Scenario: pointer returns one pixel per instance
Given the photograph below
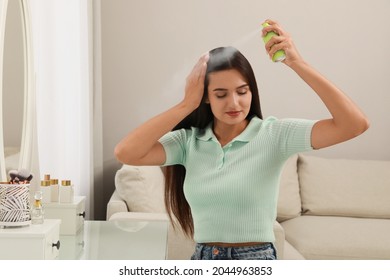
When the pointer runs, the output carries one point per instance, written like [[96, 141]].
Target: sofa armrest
[[115, 204], [180, 247], [139, 216], [279, 240], [290, 253]]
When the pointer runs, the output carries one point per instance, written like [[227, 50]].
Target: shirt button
[[215, 251]]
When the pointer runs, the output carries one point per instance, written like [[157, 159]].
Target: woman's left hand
[[282, 41], [347, 121]]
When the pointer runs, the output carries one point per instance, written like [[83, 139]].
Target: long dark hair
[[223, 58]]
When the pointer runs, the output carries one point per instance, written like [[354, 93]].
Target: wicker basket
[[14, 204]]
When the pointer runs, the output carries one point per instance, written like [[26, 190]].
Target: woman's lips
[[233, 113]]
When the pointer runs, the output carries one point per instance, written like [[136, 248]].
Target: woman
[[223, 160]]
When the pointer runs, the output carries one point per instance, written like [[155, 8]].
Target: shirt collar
[[207, 133], [247, 135]]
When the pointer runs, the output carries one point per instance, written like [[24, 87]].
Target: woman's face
[[229, 97]]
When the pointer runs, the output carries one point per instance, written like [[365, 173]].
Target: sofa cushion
[[339, 238], [141, 187], [289, 202], [342, 187]]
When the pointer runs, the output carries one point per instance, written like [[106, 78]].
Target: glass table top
[[116, 240]]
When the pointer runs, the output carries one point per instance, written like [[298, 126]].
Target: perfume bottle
[[37, 209]]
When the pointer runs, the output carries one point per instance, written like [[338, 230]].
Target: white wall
[[149, 46]]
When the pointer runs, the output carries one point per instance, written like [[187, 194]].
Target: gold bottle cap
[[46, 177], [65, 183], [54, 181], [45, 183]]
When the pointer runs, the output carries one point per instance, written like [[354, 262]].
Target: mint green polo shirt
[[233, 190]]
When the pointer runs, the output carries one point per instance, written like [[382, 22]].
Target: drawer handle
[[58, 245], [82, 214]]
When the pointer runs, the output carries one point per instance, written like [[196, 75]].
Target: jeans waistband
[[264, 251], [235, 245]]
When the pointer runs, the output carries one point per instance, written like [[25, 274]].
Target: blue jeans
[[257, 252]]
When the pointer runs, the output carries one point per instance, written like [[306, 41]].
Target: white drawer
[[33, 242], [72, 246], [53, 244], [71, 214]]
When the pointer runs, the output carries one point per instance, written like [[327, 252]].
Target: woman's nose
[[233, 99]]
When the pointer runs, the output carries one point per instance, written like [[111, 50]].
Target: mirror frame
[[29, 144], [3, 17]]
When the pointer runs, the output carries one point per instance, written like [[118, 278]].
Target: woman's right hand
[[195, 83], [141, 146]]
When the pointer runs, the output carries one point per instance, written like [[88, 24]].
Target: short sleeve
[[291, 135], [174, 144]]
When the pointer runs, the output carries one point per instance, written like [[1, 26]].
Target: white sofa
[[327, 209]]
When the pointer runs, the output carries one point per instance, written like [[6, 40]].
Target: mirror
[[17, 95], [13, 85]]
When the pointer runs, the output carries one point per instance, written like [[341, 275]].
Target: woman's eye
[[242, 92], [221, 95]]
